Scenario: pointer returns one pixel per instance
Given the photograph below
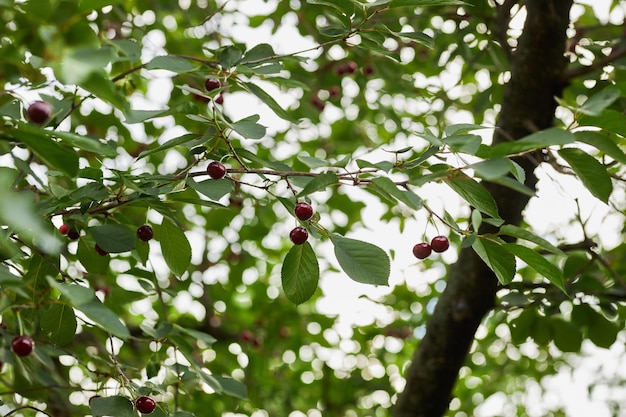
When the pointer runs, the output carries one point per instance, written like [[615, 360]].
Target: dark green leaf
[[537, 140], [174, 246], [609, 120], [50, 152], [492, 168], [591, 172], [230, 56], [567, 336], [258, 53], [406, 196], [474, 193], [269, 101], [170, 63], [113, 238], [319, 183], [603, 143], [181, 140], [249, 128], [518, 232], [232, 387], [300, 273], [422, 3], [58, 323], [538, 263], [497, 258], [116, 406], [600, 101], [362, 261], [214, 189]]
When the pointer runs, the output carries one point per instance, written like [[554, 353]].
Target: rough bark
[[528, 105]]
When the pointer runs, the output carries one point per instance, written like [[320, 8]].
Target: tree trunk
[[537, 65]]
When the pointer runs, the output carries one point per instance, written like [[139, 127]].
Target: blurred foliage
[[385, 100]]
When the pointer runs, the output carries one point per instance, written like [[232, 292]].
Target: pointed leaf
[[214, 189], [229, 56], [603, 143], [300, 273], [518, 232], [362, 261], [407, 197], [117, 406], [113, 238], [537, 140], [249, 128], [175, 247], [538, 263], [319, 183], [50, 152], [600, 101], [474, 193], [171, 63], [269, 101], [498, 259], [591, 172], [58, 323]]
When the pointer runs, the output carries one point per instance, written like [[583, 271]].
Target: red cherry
[[299, 235], [211, 84], [303, 211], [145, 405], [422, 250], [216, 170], [145, 233], [368, 70], [220, 99], [440, 243], [334, 91], [101, 251], [64, 229], [73, 234], [350, 67], [39, 112], [22, 345], [318, 103]]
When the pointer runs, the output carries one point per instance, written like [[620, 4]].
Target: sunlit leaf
[[362, 261], [174, 246]]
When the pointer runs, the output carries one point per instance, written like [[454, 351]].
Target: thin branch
[[615, 54], [503, 17]]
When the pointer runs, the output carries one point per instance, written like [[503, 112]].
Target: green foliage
[[206, 312]]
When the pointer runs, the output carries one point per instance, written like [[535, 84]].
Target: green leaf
[[232, 387], [422, 3], [175, 247], [260, 52], [537, 140], [230, 56], [181, 140], [469, 144], [497, 258], [407, 197], [319, 183], [117, 406], [474, 193], [538, 263], [601, 142], [214, 189], [171, 63], [269, 101], [362, 261], [521, 326], [84, 300], [492, 168], [207, 339], [300, 273], [72, 139], [50, 152], [518, 232], [249, 128], [601, 331], [609, 120], [58, 323], [595, 104], [113, 238], [566, 336], [591, 172]]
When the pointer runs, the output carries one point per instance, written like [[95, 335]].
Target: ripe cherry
[[422, 250], [299, 235], [145, 405], [64, 229], [22, 345], [440, 243], [216, 170], [145, 233], [73, 234], [101, 251], [211, 84], [219, 99], [368, 70], [303, 211], [39, 112]]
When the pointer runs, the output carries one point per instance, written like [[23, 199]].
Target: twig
[[615, 54]]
